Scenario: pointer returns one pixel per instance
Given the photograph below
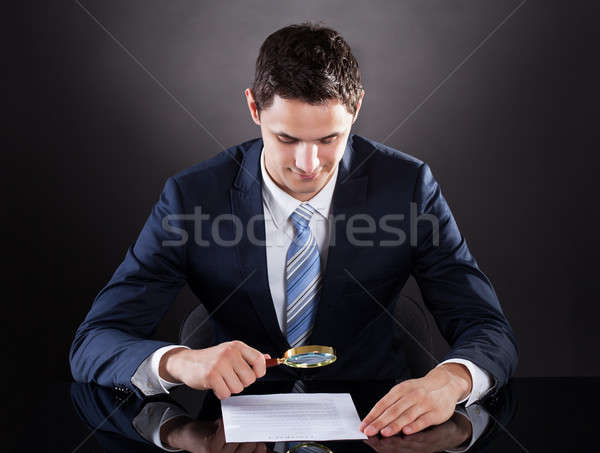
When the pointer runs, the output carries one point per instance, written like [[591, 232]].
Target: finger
[[420, 423], [376, 411], [244, 372], [390, 398], [408, 417], [256, 360], [220, 388], [232, 381], [388, 416]]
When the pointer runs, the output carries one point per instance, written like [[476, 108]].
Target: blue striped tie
[[303, 277]]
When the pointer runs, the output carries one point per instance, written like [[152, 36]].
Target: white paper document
[[290, 416]]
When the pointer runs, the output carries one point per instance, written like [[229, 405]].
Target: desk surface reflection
[[529, 414]]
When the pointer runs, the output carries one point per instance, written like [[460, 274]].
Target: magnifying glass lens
[[311, 358], [308, 356]]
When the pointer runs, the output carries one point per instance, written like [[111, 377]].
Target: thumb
[[267, 356]]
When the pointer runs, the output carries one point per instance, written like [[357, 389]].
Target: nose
[[306, 158]]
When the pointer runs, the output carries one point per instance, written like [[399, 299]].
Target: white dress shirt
[[279, 232], [278, 205]]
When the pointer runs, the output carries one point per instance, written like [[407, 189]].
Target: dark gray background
[[508, 125]]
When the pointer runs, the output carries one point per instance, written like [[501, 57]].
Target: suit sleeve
[[459, 296], [114, 337]]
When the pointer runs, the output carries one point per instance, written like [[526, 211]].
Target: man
[[302, 237]]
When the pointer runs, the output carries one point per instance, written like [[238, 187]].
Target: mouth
[[306, 176]]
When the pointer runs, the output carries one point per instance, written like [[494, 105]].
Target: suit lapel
[[349, 198], [246, 203]]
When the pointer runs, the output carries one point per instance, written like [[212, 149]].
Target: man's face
[[303, 143]]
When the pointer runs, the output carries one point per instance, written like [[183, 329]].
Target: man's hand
[[226, 368], [203, 436], [449, 435], [415, 404]]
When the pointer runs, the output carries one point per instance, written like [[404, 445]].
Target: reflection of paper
[[290, 416]]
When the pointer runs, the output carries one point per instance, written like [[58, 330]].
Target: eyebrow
[[283, 134]]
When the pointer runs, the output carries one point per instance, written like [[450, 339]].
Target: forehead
[[305, 120]]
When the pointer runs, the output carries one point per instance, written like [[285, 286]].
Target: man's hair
[[307, 62]]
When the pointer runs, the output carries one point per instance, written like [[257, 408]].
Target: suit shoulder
[[385, 154]]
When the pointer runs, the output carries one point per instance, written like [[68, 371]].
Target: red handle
[[272, 362]]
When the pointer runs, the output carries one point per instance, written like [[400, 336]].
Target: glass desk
[[530, 414]]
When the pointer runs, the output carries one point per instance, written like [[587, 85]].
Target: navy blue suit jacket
[[231, 281]]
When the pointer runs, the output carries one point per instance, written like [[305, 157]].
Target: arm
[[112, 345], [113, 340], [467, 312], [460, 297]]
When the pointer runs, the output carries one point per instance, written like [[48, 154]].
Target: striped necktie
[[303, 278]]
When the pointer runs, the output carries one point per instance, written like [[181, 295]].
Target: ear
[[252, 106], [358, 105]]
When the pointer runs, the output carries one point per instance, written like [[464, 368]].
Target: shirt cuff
[[146, 377], [481, 381], [151, 418]]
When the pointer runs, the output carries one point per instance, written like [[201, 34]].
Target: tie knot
[[302, 215]]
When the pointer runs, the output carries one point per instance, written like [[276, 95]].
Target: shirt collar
[[281, 204]]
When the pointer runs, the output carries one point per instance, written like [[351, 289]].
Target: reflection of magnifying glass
[[309, 447], [305, 357]]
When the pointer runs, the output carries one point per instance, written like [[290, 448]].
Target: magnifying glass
[[309, 447], [305, 357]]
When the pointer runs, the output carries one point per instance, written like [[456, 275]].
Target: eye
[[328, 141], [286, 140]]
